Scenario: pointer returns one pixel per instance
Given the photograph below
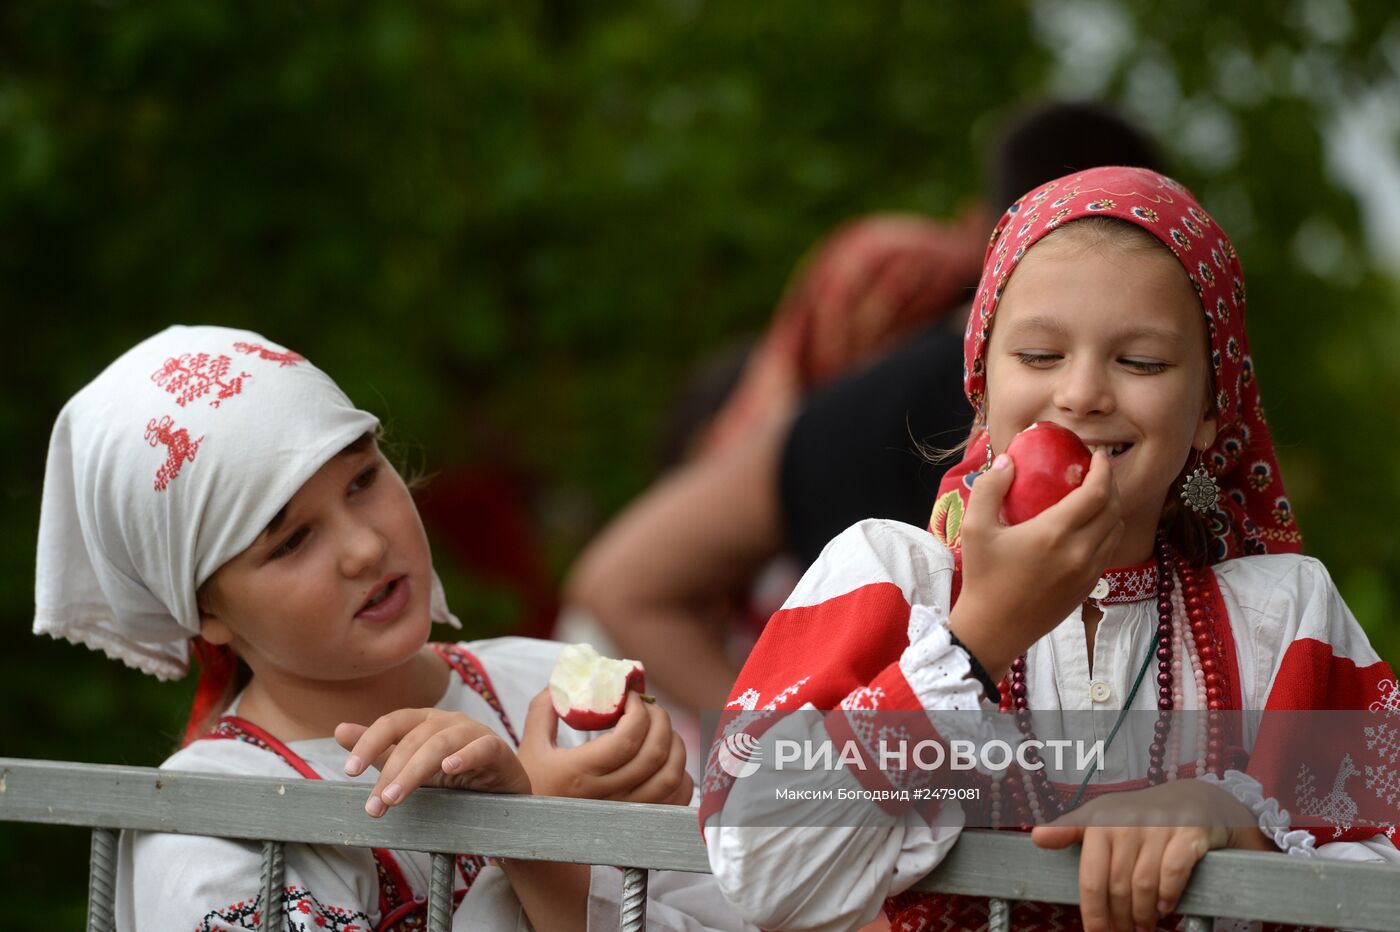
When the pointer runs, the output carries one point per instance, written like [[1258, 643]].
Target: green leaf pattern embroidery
[[946, 520]]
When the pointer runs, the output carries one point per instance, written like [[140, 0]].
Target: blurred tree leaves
[[508, 229], [1259, 112]]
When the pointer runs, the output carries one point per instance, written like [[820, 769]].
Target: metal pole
[[998, 915], [634, 899], [102, 873], [274, 874], [440, 894]]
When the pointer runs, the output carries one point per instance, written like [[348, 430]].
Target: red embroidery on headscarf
[[191, 376], [283, 360], [180, 449]]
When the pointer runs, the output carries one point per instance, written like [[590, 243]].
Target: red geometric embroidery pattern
[[230, 728], [191, 376], [399, 909], [1130, 584], [469, 669], [925, 912], [283, 360], [302, 911], [180, 449]]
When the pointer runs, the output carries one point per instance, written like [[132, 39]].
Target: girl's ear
[[213, 630], [211, 627]]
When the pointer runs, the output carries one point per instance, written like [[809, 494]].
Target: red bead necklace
[[1181, 591]]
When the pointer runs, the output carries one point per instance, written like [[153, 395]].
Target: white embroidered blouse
[[189, 882], [830, 878]]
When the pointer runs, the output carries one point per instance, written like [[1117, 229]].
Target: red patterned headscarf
[[1253, 514]]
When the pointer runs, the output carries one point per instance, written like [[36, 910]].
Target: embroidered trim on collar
[[1126, 584]]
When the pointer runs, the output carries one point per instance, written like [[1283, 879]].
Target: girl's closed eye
[[364, 480], [1145, 366], [290, 545], [1036, 358]]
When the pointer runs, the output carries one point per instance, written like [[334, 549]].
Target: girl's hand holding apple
[[1020, 581], [641, 759]]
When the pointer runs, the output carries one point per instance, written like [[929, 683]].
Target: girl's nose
[[1085, 388], [362, 548]]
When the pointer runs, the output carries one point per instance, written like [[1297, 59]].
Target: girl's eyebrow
[[1040, 323], [1144, 331]]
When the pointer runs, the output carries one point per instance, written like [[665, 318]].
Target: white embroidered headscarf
[[165, 467]]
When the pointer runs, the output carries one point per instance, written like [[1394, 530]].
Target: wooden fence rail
[[1003, 866]]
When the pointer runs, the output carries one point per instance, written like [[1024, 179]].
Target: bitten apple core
[[589, 690]]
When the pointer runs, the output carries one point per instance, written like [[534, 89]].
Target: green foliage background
[[509, 228]]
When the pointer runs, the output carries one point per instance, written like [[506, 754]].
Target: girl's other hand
[[429, 747], [1139, 848], [641, 760], [1020, 582]]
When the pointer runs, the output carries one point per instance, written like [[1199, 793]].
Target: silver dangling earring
[[1198, 490], [988, 465]]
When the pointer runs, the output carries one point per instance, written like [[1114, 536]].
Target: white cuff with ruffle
[[936, 670], [1273, 821]]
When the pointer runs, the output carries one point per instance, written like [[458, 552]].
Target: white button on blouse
[[1099, 691]]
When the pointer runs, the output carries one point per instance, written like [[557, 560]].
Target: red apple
[[590, 690], [1051, 461]]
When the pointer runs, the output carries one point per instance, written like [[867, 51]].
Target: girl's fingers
[[1056, 836], [404, 750], [1093, 497], [1185, 848], [650, 757], [401, 777], [541, 723], [420, 759], [486, 764], [664, 783], [347, 733], [1094, 860], [685, 786], [374, 742], [988, 492], [684, 793], [395, 773], [606, 753], [656, 751], [1122, 863], [1147, 879]]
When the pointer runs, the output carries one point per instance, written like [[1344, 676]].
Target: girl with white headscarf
[[212, 492]]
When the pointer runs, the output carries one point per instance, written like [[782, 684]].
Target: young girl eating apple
[[213, 493], [1112, 305]]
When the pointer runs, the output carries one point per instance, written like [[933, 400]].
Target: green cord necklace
[[1142, 672]]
